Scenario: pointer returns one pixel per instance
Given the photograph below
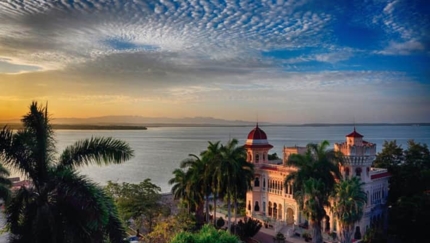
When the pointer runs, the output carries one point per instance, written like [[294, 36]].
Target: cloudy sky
[[290, 61]]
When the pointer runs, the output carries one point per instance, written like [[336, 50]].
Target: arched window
[[270, 209], [256, 207], [280, 211], [249, 205], [264, 182], [257, 158], [256, 182], [275, 210]]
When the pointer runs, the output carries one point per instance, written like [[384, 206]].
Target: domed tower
[[358, 156], [257, 146]]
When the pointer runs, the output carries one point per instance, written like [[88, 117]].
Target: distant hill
[[146, 121]]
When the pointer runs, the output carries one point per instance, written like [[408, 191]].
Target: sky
[[283, 61]]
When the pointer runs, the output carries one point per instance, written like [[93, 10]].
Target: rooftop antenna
[[354, 122]]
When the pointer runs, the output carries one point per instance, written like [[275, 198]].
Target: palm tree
[[179, 188], [232, 168], [212, 157], [5, 183], [243, 183], [191, 184], [61, 205], [321, 165], [349, 199]]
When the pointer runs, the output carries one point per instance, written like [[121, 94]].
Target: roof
[[380, 175], [354, 134], [257, 133], [258, 146]]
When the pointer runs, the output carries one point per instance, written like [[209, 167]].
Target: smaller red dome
[[257, 133], [354, 134]]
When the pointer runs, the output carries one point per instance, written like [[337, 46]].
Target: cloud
[[64, 31], [404, 48]]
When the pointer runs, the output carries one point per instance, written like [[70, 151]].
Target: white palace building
[[270, 201]]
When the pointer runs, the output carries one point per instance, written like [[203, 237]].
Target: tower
[[257, 147], [358, 156], [257, 150]]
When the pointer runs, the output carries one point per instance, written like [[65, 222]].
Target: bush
[[208, 234], [220, 222], [248, 229]]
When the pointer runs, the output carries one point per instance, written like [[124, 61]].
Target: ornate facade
[[272, 202]]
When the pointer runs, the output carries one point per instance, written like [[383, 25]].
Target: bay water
[[159, 150]]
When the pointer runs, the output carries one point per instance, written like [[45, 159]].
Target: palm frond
[[98, 150]]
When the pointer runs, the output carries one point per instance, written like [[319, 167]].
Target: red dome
[[257, 138], [257, 133]]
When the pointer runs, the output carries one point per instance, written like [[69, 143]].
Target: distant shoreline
[[146, 126], [84, 127]]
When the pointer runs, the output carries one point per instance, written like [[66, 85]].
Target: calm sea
[[158, 151]]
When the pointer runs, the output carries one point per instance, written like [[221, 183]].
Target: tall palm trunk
[[207, 206], [316, 231], [215, 199], [229, 211], [235, 212]]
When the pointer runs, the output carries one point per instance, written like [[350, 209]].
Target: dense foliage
[[219, 170], [60, 205], [247, 228], [409, 199], [208, 234], [314, 182], [140, 202], [348, 200]]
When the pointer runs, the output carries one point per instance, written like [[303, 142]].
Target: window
[[256, 207], [256, 182], [270, 209], [257, 158], [358, 172]]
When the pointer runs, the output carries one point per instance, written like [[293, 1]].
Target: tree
[[166, 229], [213, 158], [391, 155], [247, 228], [235, 171], [140, 202], [5, 183], [61, 205], [189, 184], [208, 234], [273, 156], [317, 173], [348, 202], [408, 198]]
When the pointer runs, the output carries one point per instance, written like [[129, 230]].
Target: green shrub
[[208, 234], [220, 222]]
